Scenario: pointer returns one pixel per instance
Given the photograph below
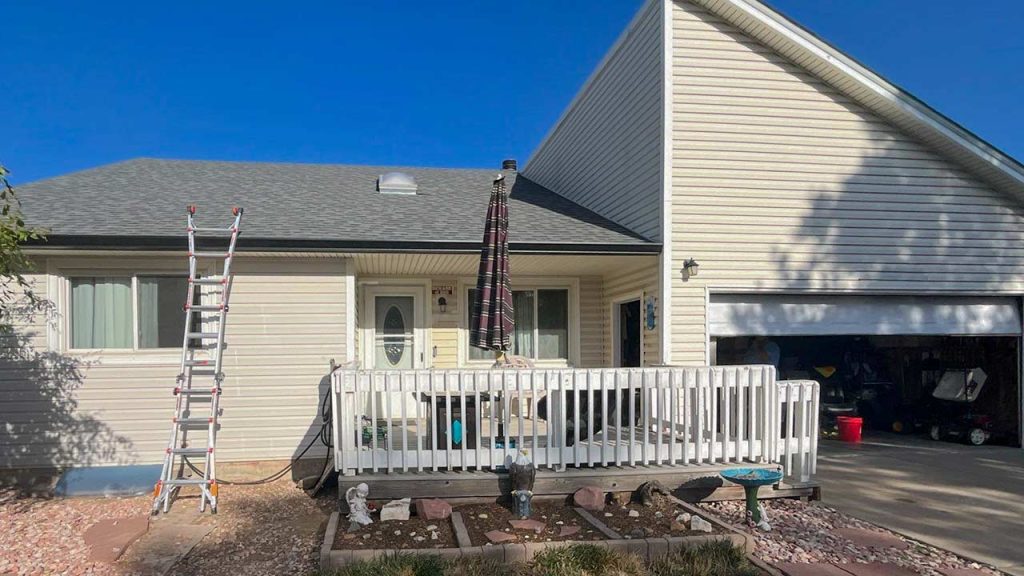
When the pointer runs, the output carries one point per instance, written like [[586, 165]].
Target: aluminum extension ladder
[[209, 309]]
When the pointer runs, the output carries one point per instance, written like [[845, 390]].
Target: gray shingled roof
[[311, 205]]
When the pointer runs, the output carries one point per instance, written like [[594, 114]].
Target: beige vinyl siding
[[780, 183], [287, 321], [605, 152], [592, 325], [29, 391], [444, 333], [641, 282]]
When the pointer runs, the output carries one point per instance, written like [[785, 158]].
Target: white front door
[[396, 328]]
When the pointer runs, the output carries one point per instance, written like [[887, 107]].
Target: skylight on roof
[[396, 183]]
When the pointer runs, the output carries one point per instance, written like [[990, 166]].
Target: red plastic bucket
[[850, 428]]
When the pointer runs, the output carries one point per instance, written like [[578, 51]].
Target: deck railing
[[416, 420]]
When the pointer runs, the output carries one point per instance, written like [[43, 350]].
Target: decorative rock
[[637, 533], [395, 510], [559, 523], [348, 536], [398, 532], [432, 527], [482, 516], [634, 514], [677, 526], [589, 498], [419, 538], [535, 525], [366, 536], [608, 514], [659, 514], [683, 518], [698, 524], [567, 531], [433, 535], [108, 539], [433, 509], [497, 536]]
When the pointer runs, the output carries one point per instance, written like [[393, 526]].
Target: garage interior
[[882, 358]]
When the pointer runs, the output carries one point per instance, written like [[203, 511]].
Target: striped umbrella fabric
[[492, 310]]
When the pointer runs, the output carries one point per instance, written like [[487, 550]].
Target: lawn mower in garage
[[954, 418]]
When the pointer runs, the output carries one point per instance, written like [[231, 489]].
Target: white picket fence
[[417, 420]]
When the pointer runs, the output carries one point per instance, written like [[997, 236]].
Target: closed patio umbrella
[[492, 309]]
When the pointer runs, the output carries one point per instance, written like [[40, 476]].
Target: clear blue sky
[[408, 82]]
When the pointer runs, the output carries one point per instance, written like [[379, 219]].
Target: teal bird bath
[[752, 479]]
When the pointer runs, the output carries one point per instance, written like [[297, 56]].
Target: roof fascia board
[[160, 243], [597, 73], [843, 64]]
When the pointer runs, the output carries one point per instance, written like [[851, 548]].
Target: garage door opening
[[890, 380]]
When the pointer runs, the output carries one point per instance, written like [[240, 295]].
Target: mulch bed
[[654, 520], [395, 534], [550, 512]]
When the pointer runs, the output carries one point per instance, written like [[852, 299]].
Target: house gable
[[605, 152], [781, 182]]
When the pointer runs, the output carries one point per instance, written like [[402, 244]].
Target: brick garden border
[[646, 548]]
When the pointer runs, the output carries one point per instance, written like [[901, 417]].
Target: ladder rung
[[202, 335], [199, 363], [193, 421], [197, 391], [210, 280], [210, 254], [187, 482], [201, 230], [190, 451], [204, 372], [205, 307]]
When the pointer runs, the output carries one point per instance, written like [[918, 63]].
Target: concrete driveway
[[969, 500]]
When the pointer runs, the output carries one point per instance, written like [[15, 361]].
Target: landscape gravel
[[805, 532], [269, 529]]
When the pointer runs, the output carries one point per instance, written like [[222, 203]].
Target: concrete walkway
[[969, 500]]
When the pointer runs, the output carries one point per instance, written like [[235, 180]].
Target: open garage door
[[790, 315]]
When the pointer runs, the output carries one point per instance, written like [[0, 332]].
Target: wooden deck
[[690, 483]]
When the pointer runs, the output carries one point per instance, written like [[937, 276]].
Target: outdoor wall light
[[690, 268], [442, 304]]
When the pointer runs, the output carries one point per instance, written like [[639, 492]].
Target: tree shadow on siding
[[890, 228], [42, 431]]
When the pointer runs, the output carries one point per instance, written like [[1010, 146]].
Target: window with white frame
[[541, 324], [126, 312]]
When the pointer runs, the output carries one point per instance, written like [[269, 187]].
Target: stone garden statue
[[358, 510]]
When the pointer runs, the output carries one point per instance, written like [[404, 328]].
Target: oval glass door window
[[393, 334], [394, 325]]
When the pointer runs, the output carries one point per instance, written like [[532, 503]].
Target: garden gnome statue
[[358, 511], [522, 473]]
